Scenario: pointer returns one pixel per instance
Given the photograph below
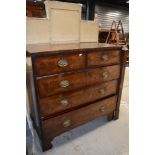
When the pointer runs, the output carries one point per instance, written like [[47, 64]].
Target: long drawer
[[63, 83], [59, 103], [55, 126]]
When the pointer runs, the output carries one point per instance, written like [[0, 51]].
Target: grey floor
[[97, 137]]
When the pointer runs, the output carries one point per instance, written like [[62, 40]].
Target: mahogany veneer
[[69, 85], [51, 105], [52, 85], [49, 65]]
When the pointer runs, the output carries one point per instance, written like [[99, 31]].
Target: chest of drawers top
[[47, 48], [53, 59]]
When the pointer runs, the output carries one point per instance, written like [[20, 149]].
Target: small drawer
[[104, 58], [59, 103], [102, 74], [61, 83], [57, 64], [75, 118]]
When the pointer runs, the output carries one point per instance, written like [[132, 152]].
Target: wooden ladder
[[117, 28]]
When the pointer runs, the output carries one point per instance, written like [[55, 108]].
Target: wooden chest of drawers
[[69, 85]]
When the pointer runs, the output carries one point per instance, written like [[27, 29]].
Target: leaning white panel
[[64, 21], [64, 26], [89, 31], [37, 30], [61, 6]]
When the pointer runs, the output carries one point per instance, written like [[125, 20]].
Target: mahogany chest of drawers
[[69, 85]]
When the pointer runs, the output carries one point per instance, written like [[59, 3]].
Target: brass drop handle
[[105, 75], [66, 123], [64, 83], [102, 109], [64, 102], [102, 90], [62, 63], [105, 57]]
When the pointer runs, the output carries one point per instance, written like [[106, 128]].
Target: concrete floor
[[97, 137]]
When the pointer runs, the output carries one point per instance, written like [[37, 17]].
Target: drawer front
[[57, 64], [59, 103], [67, 121], [61, 83], [102, 74], [104, 58]]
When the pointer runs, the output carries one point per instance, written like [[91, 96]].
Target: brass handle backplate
[[102, 109], [105, 57], [64, 102], [102, 90], [62, 63], [64, 83], [105, 75], [66, 123]]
